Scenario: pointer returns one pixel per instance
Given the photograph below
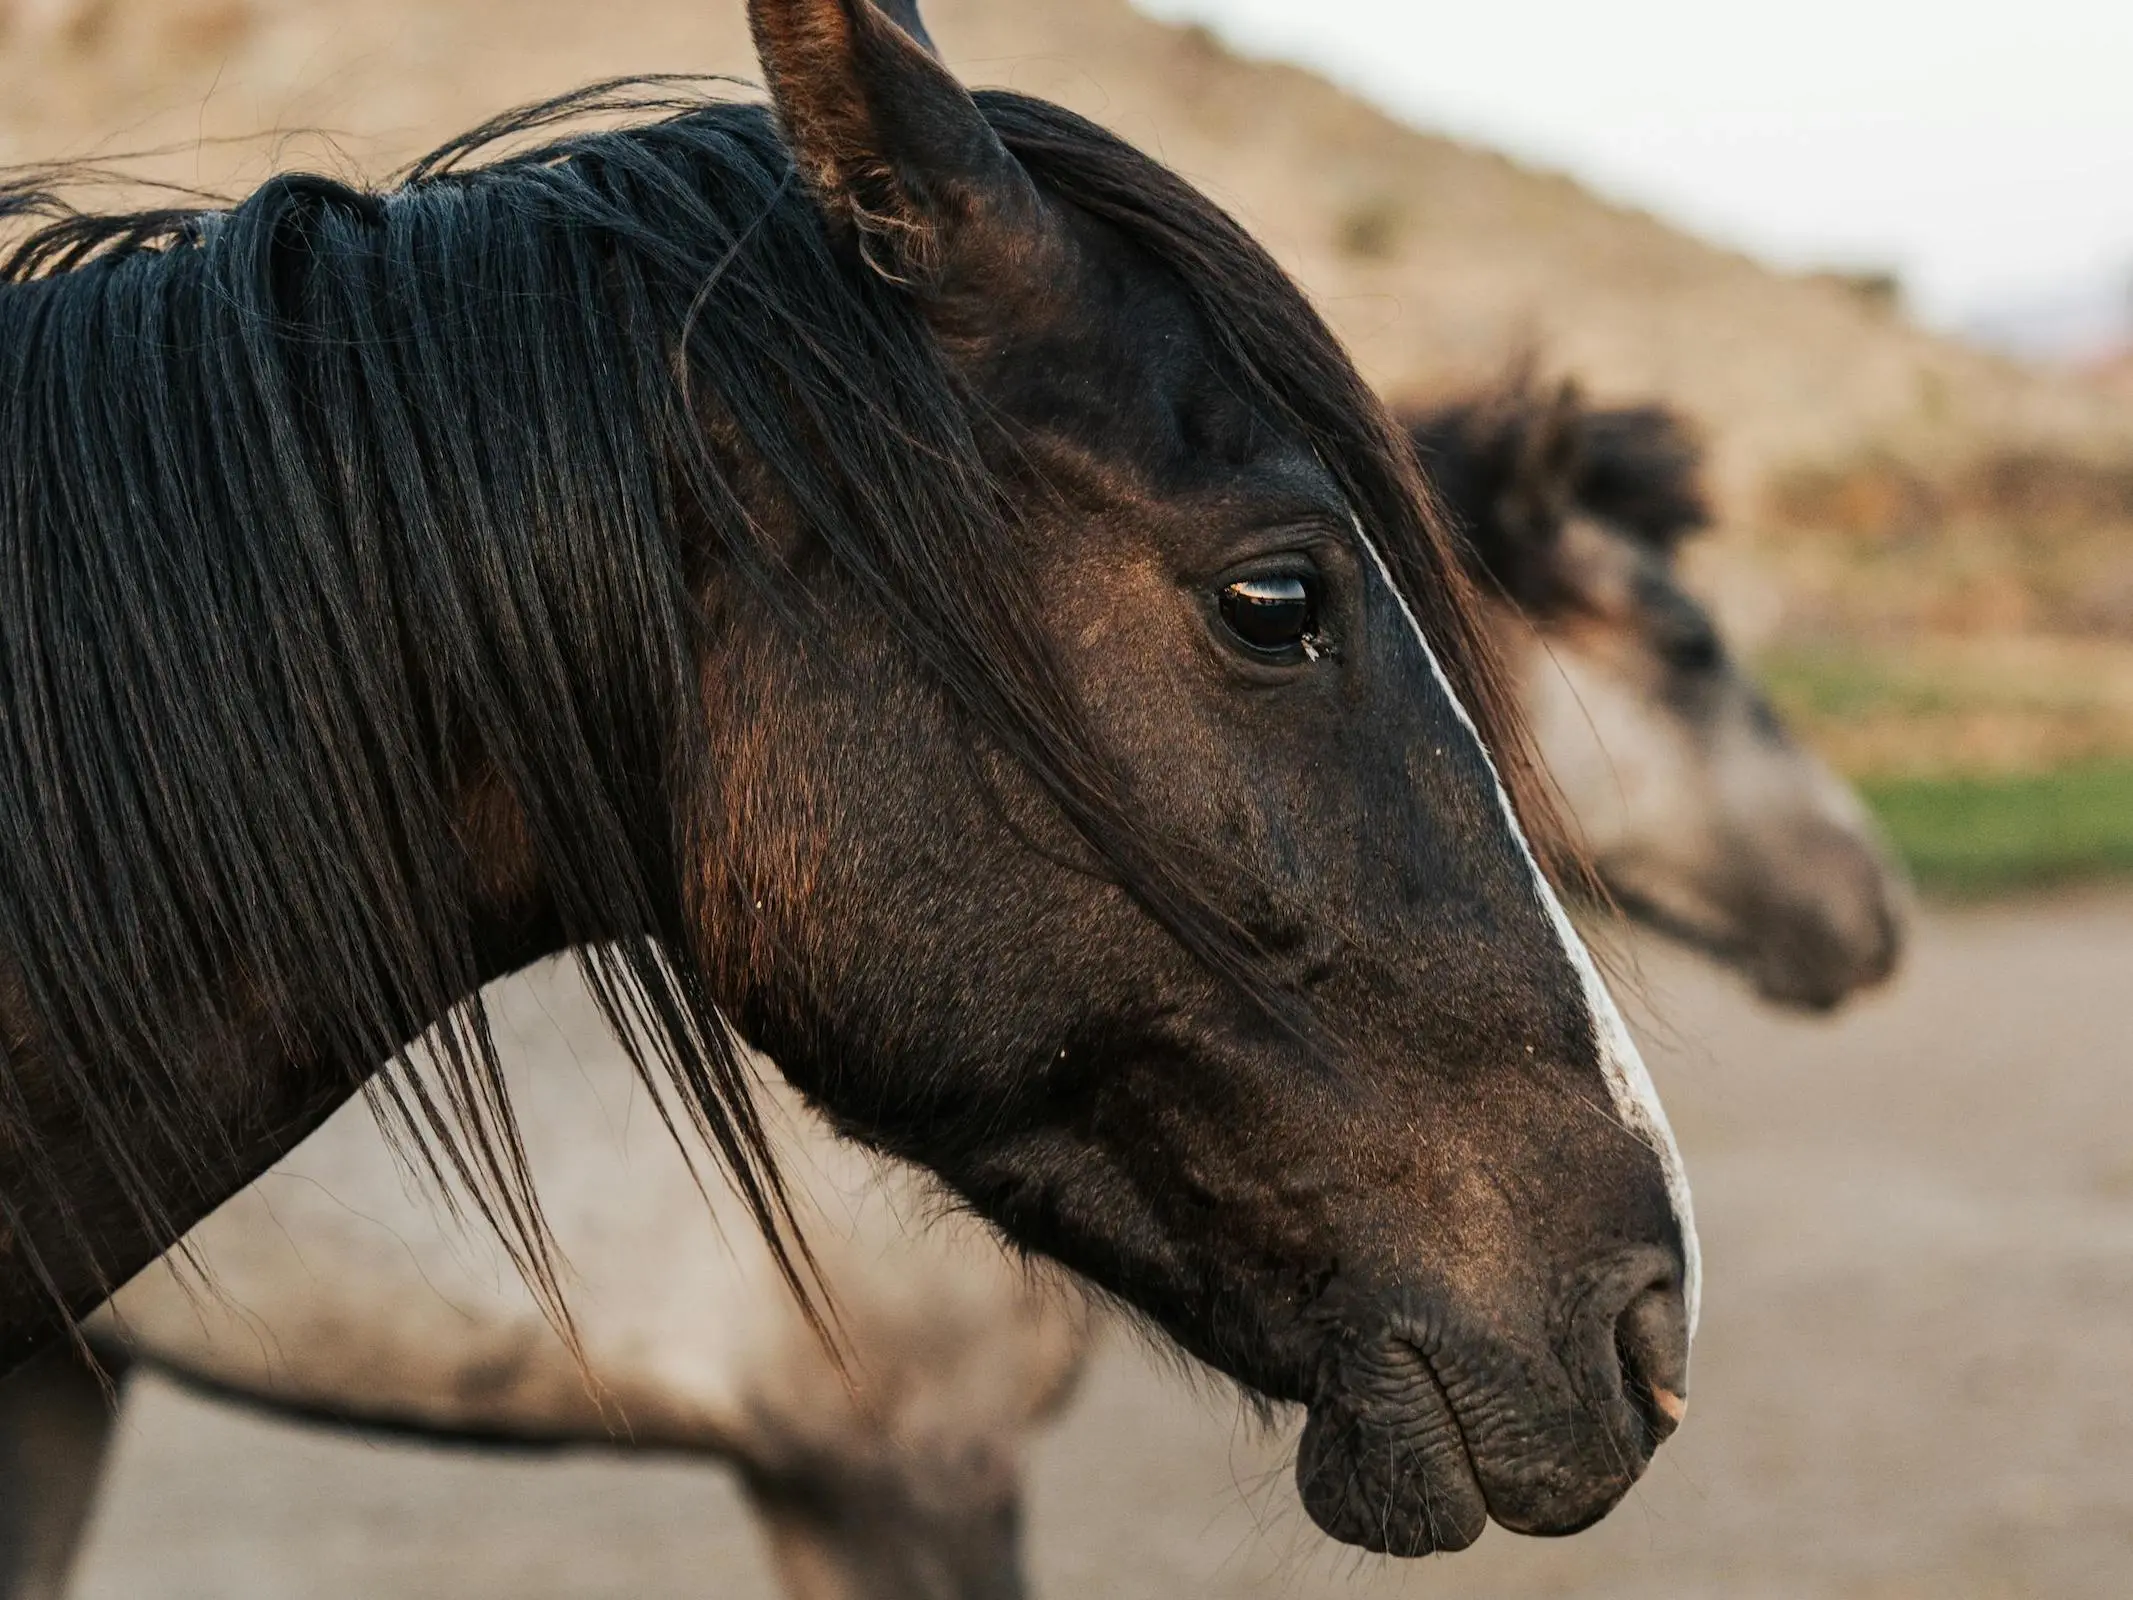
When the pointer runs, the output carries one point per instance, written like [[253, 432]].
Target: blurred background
[[1882, 254]]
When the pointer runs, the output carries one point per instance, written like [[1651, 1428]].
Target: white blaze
[[1629, 1084]]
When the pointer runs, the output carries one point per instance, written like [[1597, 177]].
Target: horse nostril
[[1652, 1345]]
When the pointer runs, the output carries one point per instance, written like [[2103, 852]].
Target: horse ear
[[908, 173], [904, 13]]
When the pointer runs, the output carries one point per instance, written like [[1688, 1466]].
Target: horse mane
[[1644, 473], [329, 511], [1514, 462]]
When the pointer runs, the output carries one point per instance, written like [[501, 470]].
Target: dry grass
[[2008, 540]]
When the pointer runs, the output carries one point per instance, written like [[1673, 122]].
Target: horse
[[895, 576], [341, 1294], [1700, 813], [346, 1299]]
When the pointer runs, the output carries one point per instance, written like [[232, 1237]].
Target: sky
[[1982, 151]]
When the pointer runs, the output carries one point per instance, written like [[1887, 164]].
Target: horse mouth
[[1426, 1427], [1383, 1463], [1793, 956]]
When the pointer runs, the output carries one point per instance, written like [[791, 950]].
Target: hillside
[[1434, 259]]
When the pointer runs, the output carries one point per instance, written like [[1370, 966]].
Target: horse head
[[1214, 962], [1702, 814]]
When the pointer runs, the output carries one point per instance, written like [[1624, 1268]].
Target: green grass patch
[[1839, 684], [1974, 836]]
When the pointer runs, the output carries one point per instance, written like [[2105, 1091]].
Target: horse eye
[[1273, 616]]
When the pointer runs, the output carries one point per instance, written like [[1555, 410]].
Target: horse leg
[[56, 1416], [835, 1537]]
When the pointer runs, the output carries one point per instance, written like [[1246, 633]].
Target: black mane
[[1643, 472], [327, 513], [1511, 465]]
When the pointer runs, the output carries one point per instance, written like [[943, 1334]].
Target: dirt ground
[[1915, 1376]]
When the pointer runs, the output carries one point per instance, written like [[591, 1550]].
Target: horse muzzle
[[1429, 1421]]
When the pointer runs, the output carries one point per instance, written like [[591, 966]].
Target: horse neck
[[72, 1229]]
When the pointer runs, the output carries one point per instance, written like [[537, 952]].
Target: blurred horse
[[1702, 815], [341, 1296], [337, 1291]]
